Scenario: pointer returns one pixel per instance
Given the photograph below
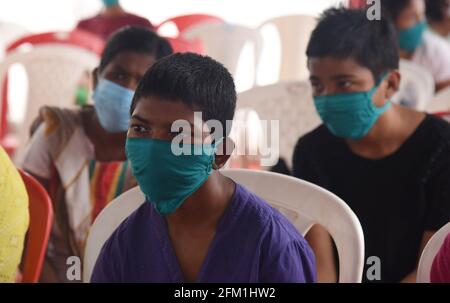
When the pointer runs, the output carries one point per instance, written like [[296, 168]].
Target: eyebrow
[[335, 77], [139, 118]]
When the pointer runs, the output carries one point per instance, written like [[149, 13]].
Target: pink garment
[[440, 270], [104, 26]]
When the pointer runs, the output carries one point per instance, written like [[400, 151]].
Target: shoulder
[[437, 132], [318, 138], [139, 20]]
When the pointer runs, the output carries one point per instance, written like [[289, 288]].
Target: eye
[[317, 87], [119, 76], [139, 129], [344, 84]]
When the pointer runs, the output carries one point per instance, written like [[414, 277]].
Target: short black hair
[[436, 9], [136, 39], [343, 33], [393, 8], [198, 81]]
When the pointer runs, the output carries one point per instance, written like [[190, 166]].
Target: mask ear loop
[[216, 143]]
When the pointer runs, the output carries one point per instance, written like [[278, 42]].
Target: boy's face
[[153, 118], [411, 15], [331, 76]]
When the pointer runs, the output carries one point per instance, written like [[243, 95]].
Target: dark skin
[[126, 69], [410, 16], [331, 76], [193, 225]]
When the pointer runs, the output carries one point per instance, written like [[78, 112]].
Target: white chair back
[[303, 203], [416, 87], [440, 102], [8, 33], [429, 253], [291, 104], [53, 72], [294, 32], [225, 42]]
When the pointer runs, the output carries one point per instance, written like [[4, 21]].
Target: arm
[[322, 245]]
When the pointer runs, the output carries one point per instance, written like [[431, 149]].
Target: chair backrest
[[182, 23], [225, 42], [416, 87], [79, 38], [8, 33], [443, 115], [291, 104], [429, 253], [303, 203], [294, 32], [53, 72], [41, 219], [180, 45], [440, 102]]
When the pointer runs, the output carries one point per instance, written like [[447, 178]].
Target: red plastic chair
[[357, 4], [185, 21], [443, 115], [181, 46], [80, 38], [41, 218]]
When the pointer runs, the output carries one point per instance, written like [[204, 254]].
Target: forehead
[[133, 62], [328, 67], [157, 109]]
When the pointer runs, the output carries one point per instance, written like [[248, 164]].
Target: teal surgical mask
[[166, 179], [411, 38], [112, 104], [349, 115], [109, 3]]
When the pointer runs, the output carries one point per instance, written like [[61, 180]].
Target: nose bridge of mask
[[411, 38]]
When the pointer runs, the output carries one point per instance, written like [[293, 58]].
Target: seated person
[[438, 17], [390, 164], [440, 270], [79, 155], [196, 225], [112, 18], [14, 219], [416, 43]]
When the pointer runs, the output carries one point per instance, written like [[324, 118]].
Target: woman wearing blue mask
[[196, 225], [416, 43], [390, 164], [79, 155]]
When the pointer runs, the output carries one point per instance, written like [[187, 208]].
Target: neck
[[385, 136], [440, 29], [207, 205], [111, 11], [405, 55]]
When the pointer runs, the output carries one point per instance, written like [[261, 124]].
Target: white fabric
[[434, 55]]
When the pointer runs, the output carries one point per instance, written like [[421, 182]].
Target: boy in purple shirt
[[196, 225]]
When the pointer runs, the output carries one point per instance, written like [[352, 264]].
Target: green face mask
[[410, 39], [349, 115], [166, 179]]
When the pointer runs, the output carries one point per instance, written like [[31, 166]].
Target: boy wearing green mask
[[196, 224], [416, 43], [389, 163]]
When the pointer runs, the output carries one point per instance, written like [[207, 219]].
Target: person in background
[[14, 218], [440, 270], [79, 155], [390, 164], [196, 224], [112, 18], [416, 43], [438, 17]]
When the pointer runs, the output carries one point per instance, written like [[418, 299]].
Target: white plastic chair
[[440, 102], [10, 32], [429, 253], [294, 32], [53, 72], [291, 104], [225, 42], [416, 87], [303, 203]]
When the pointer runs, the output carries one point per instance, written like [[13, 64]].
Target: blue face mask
[[166, 179], [112, 104], [410, 39], [109, 3], [349, 115]]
